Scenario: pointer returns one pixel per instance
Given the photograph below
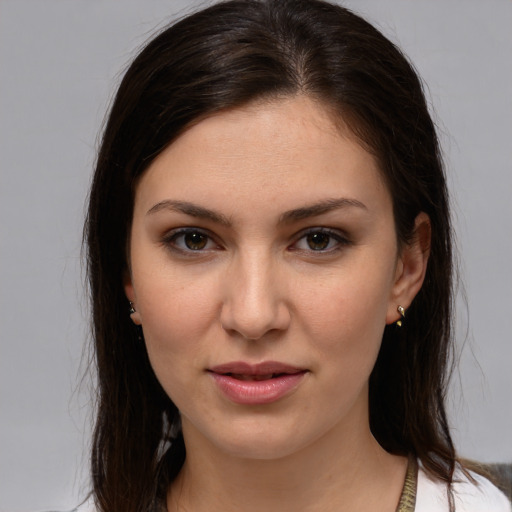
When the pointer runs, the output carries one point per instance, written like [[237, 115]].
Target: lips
[[263, 383]]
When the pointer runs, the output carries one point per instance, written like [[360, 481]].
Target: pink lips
[[259, 384]]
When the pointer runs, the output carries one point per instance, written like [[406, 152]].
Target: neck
[[336, 473]]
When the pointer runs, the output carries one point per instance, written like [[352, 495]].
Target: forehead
[[284, 151]]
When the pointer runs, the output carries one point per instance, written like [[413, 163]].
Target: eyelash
[[170, 240]]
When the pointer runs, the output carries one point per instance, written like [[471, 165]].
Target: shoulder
[[478, 496]]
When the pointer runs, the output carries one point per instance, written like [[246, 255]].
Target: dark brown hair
[[222, 57]]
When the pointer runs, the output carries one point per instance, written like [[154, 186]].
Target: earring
[[139, 327], [401, 310]]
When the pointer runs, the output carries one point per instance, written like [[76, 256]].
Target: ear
[[130, 295], [411, 268]]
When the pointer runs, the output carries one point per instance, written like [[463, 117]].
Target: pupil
[[195, 241], [318, 241]]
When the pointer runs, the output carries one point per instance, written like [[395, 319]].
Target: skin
[[255, 288]]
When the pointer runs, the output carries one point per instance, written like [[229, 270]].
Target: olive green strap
[[408, 498]]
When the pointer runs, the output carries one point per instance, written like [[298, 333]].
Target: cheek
[[348, 315], [348, 329], [175, 314], [176, 317]]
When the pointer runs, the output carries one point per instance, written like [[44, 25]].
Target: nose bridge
[[254, 302]]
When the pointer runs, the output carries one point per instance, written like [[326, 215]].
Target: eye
[[320, 240], [189, 240]]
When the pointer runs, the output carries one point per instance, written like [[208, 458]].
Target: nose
[[254, 302]]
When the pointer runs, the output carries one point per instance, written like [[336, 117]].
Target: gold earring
[[401, 310]]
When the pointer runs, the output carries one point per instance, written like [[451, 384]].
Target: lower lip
[[257, 392]]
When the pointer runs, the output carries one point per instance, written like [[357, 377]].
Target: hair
[[223, 57]]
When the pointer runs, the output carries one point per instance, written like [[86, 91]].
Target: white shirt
[[431, 495]]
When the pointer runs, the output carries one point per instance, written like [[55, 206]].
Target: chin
[[262, 439], [260, 448]]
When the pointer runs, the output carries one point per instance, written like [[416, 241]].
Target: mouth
[[264, 383], [240, 370]]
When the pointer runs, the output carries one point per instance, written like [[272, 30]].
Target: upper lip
[[264, 368]]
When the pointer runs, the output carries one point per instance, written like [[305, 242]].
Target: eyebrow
[[320, 208], [191, 209], [296, 214]]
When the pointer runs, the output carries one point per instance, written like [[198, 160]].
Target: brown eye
[[189, 240], [318, 241], [321, 240], [195, 241]]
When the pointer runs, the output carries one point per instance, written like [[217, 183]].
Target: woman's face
[[264, 267]]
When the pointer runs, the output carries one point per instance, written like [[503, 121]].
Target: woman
[[269, 253]]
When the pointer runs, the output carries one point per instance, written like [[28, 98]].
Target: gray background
[[59, 62]]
